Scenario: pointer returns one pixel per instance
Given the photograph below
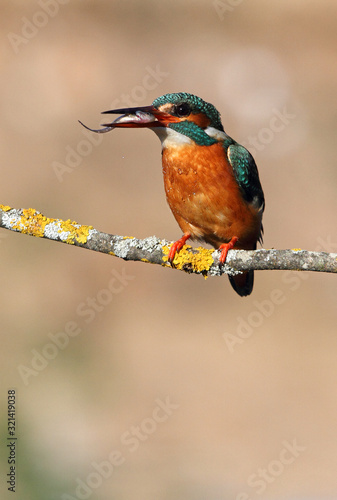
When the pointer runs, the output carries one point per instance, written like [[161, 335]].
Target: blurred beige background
[[174, 387]]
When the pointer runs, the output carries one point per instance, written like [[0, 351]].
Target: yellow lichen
[[297, 249], [166, 251], [77, 232], [31, 222], [186, 260], [5, 208]]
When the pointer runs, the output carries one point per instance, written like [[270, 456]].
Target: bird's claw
[[176, 246], [225, 247]]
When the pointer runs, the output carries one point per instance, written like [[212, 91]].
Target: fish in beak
[[146, 116]]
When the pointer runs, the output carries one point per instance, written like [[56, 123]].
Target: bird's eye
[[182, 109]]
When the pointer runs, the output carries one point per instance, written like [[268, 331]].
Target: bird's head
[[175, 118]]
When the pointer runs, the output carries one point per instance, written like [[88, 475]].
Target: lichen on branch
[[155, 251]]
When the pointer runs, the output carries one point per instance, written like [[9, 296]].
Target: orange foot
[[225, 247], [178, 245]]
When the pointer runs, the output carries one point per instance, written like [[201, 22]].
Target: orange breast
[[204, 197]]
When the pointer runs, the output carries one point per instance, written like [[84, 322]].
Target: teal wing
[[246, 174]]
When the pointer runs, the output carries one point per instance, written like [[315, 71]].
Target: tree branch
[[155, 251]]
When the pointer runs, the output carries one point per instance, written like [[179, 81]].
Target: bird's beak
[[146, 116]]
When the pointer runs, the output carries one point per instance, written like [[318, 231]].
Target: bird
[[211, 182]]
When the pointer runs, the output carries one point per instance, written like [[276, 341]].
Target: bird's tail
[[243, 283]]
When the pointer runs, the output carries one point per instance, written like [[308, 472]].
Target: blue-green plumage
[[194, 132], [246, 174], [247, 177], [196, 104]]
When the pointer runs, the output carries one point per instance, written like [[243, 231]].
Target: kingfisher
[[211, 182]]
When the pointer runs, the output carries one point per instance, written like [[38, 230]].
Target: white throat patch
[[171, 138], [215, 133]]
